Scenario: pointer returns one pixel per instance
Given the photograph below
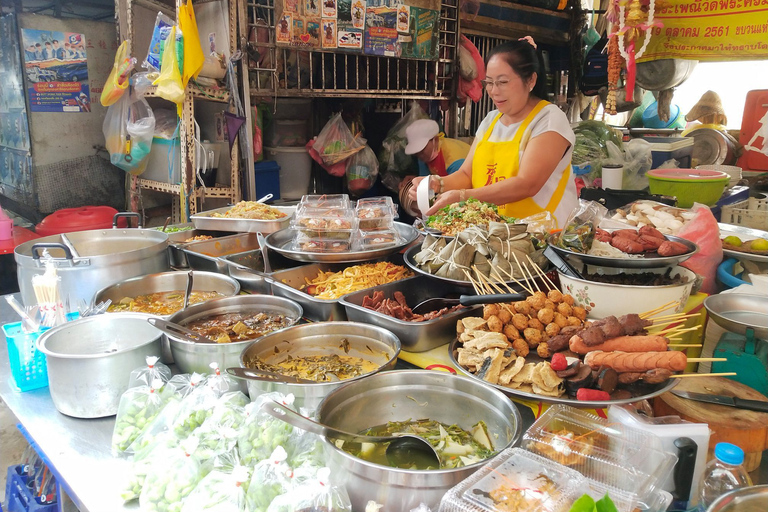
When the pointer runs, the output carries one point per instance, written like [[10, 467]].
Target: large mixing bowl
[[90, 361], [318, 339], [196, 357], [400, 396]]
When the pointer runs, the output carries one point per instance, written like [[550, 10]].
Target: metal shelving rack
[[337, 74], [124, 15]]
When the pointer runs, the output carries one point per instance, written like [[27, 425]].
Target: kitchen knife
[[731, 401]]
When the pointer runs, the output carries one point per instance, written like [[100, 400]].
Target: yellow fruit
[[761, 244], [733, 240]]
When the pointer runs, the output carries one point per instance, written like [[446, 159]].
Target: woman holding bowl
[[520, 159]]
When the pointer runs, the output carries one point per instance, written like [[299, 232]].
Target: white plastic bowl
[[605, 299]]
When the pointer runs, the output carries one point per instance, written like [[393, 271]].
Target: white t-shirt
[[549, 119]]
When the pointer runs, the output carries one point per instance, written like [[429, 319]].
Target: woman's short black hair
[[523, 58]]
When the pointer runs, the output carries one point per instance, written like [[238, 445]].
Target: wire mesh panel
[[285, 71]]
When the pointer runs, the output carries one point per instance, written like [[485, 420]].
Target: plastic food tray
[[628, 464], [544, 485]]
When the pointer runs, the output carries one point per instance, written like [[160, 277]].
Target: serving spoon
[[402, 448], [179, 332]]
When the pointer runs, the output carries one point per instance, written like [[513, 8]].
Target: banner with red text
[[718, 30]]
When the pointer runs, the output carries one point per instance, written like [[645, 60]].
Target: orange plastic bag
[[117, 81], [169, 84]]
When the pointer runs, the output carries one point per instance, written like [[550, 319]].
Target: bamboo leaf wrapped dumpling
[[504, 230], [459, 261], [481, 263], [430, 248], [475, 236], [521, 246]]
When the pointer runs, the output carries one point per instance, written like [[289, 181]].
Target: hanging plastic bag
[[117, 81], [193, 52], [169, 84], [394, 164], [163, 25], [335, 143], [362, 171], [138, 407], [338, 169], [146, 375], [129, 126]]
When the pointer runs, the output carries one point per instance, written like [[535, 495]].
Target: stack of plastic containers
[[331, 223], [628, 464]]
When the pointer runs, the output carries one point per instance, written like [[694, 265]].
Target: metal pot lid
[[710, 146], [662, 74], [99, 243]]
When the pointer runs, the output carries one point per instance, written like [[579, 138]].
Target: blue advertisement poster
[[56, 71]]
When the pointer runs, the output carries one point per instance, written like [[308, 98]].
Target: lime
[[761, 244], [733, 240]]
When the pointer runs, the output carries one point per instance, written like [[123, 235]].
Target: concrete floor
[[12, 444]]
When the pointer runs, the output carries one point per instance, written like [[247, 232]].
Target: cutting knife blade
[[731, 401]]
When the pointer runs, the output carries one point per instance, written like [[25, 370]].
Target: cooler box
[[267, 177], [159, 167], [667, 148]]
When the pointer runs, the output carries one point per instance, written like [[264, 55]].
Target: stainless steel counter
[[77, 450]]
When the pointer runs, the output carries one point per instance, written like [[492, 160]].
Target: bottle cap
[[729, 453]]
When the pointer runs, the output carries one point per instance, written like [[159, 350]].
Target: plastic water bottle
[[723, 473]]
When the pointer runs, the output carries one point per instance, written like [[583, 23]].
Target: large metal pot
[[400, 396], [323, 338], [167, 282], [195, 357], [90, 361], [102, 257]]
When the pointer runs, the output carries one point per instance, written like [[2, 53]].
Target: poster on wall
[[15, 158], [56, 70]]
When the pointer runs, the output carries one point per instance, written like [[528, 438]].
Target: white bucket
[[295, 170]]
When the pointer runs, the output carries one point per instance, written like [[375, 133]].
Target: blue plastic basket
[[28, 365], [18, 496]]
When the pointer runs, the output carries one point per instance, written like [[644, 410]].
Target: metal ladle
[[402, 449]]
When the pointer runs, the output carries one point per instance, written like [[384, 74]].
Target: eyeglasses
[[501, 84]]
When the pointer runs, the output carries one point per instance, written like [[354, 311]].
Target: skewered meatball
[[543, 350], [532, 337], [505, 315], [489, 310], [552, 329], [535, 323], [521, 347], [568, 299], [579, 312], [572, 320], [564, 309], [555, 296], [519, 321], [548, 304], [495, 324], [561, 320], [546, 316], [536, 301], [510, 332], [522, 307]]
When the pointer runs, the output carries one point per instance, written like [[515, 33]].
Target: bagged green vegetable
[[219, 433], [146, 375], [138, 407], [579, 231], [221, 490], [271, 478], [142, 463], [193, 411], [171, 478], [316, 493], [261, 434]]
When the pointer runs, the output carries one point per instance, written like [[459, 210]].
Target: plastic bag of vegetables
[[221, 382], [142, 463], [172, 476], [261, 434], [138, 407], [316, 493], [335, 142], [394, 164], [221, 490], [579, 231], [219, 433], [193, 411], [146, 375], [271, 478]]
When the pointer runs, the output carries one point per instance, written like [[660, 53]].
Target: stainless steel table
[[77, 450]]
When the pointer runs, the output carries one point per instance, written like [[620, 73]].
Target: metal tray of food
[[282, 242], [177, 240], [254, 282], [647, 260], [737, 312], [205, 220], [465, 285], [744, 234], [414, 336], [207, 254], [639, 391]]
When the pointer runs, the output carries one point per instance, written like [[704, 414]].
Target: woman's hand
[[445, 199], [434, 185]]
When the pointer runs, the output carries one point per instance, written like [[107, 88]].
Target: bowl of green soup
[[466, 421]]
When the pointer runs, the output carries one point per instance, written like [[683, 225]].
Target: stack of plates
[[732, 170]]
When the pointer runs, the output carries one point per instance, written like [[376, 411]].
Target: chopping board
[[746, 429]]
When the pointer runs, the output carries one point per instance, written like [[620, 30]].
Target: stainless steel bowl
[[746, 499], [410, 394], [91, 359], [365, 341], [414, 336], [195, 357], [166, 282], [737, 312]]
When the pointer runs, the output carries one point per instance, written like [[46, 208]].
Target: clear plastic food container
[[325, 223], [310, 244], [516, 480], [629, 464], [376, 213], [330, 201], [378, 238]]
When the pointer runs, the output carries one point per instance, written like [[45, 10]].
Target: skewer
[[474, 284], [543, 274], [523, 271], [500, 279], [672, 318], [684, 345], [677, 330], [490, 285], [684, 375], [512, 277], [705, 359], [659, 309]]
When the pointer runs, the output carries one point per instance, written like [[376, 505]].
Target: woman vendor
[[521, 156]]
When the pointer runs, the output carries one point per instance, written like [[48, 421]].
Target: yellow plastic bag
[[169, 84], [118, 78], [193, 51]]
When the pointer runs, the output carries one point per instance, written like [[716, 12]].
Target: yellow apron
[[496, 161]]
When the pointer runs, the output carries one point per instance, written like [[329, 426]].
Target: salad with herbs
[[455, 218]]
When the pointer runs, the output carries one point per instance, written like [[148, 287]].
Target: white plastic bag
[[146, 375], [129, 126]]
